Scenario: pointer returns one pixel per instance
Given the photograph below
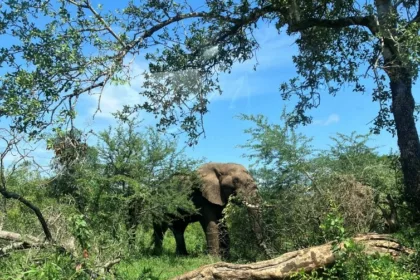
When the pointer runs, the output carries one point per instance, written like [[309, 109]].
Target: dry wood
[[20, 246], [13, 236], [308, 259], [11, 195], [22, 241], [19, 242]]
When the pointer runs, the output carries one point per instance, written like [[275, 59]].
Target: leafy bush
[[363, 186]]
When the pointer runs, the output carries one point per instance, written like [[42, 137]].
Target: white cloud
[[233, 87], [332, 119], [113, 99]]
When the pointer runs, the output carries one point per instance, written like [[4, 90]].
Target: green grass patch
[[160, 267], [167, 265]]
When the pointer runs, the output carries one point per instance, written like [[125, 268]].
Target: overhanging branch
[[368, 21], [252, 17]]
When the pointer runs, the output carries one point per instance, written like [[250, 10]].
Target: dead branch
[[20, 246], [20, 242], [308, 259], [16, 237], [107, 266], [11, 195], [11, 141]]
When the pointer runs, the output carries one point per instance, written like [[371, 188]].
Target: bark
[[19, 242], [401, 80], [408, 139], [20, 246], [284, 266], [13, 236]]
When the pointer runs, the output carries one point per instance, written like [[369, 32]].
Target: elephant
[[218, 182]]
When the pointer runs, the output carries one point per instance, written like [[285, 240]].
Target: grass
[[162, 267], [167, 265]]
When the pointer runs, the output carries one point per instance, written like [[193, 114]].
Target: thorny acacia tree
[[60, 50]]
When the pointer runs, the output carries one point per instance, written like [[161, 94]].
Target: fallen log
[[13, 236], [19, 242], [282, 267]]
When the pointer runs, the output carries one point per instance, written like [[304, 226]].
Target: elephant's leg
[[224, 240], [211, 229], [158, 234], [178, 229]]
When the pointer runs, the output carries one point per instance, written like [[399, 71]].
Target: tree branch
[[20, 242], [238, 22], [368, 21], [13, 236], [107, 266], [20, 246], [3, 183], [41, 219], [416, 18], [106, 25]]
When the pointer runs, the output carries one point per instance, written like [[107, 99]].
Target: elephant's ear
[[211, 191]]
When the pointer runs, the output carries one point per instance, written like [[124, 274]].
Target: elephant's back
[[227, 166]]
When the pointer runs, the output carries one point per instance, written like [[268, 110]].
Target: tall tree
[[335, 38]]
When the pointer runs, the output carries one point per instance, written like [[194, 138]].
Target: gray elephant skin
[[218, 181]]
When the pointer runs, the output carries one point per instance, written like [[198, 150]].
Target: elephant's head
[[221, 180]]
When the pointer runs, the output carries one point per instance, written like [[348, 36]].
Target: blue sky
[[249, 92]]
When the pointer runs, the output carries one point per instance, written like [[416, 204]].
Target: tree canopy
[[72, 48]]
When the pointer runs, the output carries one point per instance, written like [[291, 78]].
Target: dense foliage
[[92, 201]]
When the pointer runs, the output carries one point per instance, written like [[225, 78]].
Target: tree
[[139, 166], [335, 38], [125, 180], [348, 181], [281, 154]]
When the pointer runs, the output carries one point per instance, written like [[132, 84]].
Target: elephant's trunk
[[254, 213]]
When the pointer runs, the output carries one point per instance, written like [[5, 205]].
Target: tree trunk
[[400, 75], [284, 266], [408, 139]]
